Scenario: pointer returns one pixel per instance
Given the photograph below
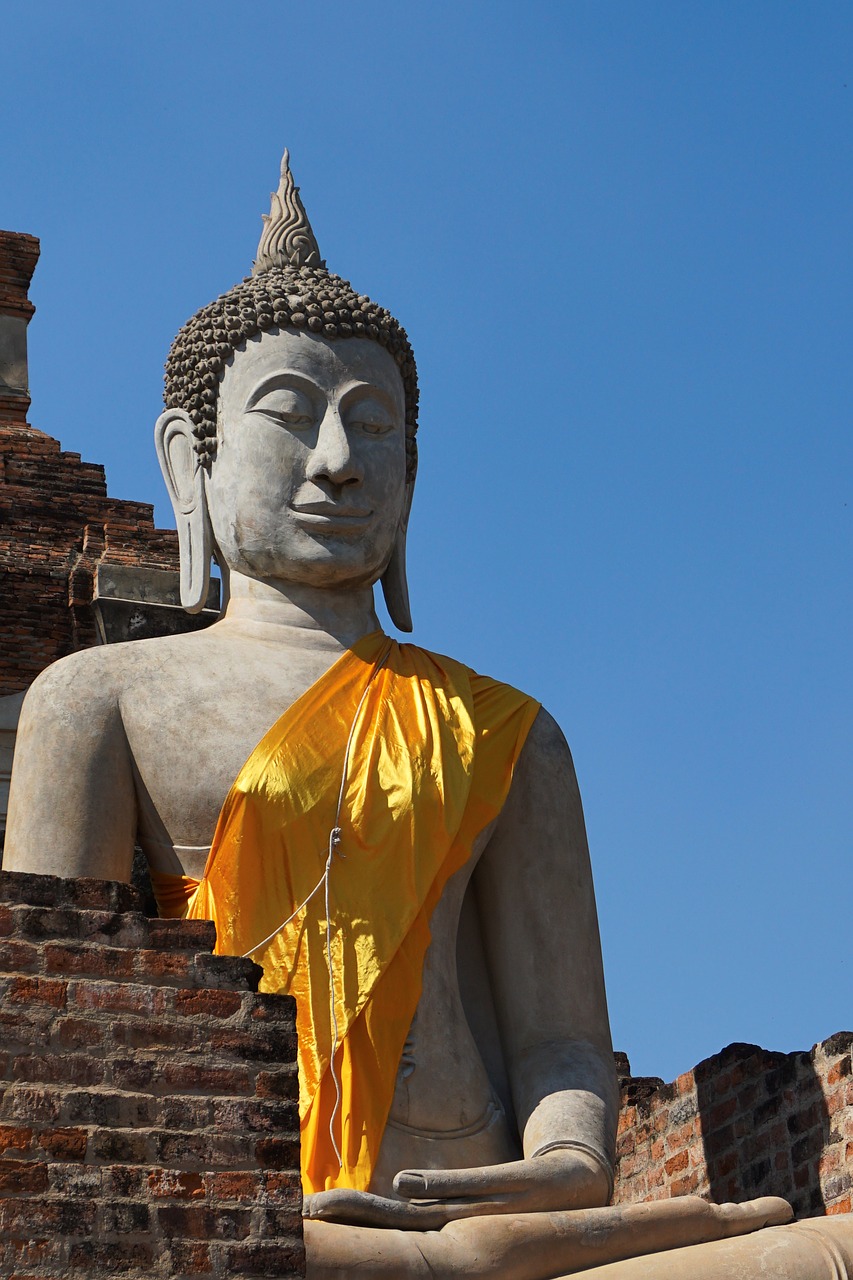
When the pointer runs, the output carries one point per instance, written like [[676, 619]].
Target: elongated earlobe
[[173, 437], [395, 585]]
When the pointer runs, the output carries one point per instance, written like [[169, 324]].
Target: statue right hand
[[430, 1198]]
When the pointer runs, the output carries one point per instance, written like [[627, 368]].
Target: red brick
[[22, 1177], [186, 1111], [114, 997], [259, 1044], [686, 1186], [76, 1033], [199, 1222], [272, 1223], [243, 1186], [255, 1116], [196, 1077], [157, 1034], [15, 1138], [101, 1258], [190, 1258], [164, 966], [168, 1141], [52, 1069], [282, 1186], [207, 1002], [277, 1084], [676, 1163], [125, 1145], [34, 991], [41, 1217], [839, 1071], [99, 961], [277, 1153], [19, 957], [64, 1144], [175, 1184], [265, 1259], [124, 1217], [265, 1007], [182, 935], [126, 1180]]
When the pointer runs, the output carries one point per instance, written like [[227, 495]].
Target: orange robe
[[431, 760]]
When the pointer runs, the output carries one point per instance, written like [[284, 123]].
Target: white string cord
[[334, 845]]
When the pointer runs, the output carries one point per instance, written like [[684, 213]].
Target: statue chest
[[190, 731]]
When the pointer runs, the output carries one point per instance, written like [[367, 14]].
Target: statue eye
[[371, 417], [288, 406], [373, 427]]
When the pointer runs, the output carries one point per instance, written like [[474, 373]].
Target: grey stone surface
[[137, 603], [14, 376], [10, 711], [142, 585]]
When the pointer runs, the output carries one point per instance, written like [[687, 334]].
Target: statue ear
[[173, 436], [395, 586]]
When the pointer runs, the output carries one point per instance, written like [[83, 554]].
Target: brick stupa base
[[148, 1114]]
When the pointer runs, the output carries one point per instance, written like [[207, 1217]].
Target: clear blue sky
[[619, 235]]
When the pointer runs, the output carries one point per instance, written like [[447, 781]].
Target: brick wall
[[56, 524], [57, 521], [18, 257], [744, 1123], [148, 1114]]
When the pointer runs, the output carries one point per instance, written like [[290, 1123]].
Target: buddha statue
[[397, 840]]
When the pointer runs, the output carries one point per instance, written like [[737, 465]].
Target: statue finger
[[497, 1180], [753, 1215], [363, 1209]]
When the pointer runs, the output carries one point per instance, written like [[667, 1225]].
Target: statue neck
[[296, 614]]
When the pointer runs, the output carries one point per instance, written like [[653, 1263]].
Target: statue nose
[[332, 457]]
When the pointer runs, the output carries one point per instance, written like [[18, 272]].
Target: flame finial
[[287, 239]]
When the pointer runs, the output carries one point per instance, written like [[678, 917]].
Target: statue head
[[288, 441]]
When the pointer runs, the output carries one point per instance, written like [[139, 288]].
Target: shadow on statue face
[[308, 484]]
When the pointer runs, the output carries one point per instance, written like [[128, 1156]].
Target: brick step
[[105, 928], [149, 1121], [52, 891]]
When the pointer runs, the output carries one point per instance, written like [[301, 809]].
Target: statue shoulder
[[71, 806], [544, 790], [546, 739], [84, 680], [78, 700], [90, 680]]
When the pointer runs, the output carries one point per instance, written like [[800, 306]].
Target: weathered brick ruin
[[148, 1115], [57, 523], [744, 1123]]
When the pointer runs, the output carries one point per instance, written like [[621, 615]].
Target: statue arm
[[540, 930], [71, 804]]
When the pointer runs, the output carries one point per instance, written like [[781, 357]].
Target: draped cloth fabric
[[431, 759]]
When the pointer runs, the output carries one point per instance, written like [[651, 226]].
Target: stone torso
[[445, 1112]]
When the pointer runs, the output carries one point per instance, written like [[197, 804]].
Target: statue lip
[[331, 515]]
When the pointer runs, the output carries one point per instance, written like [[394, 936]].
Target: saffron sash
[[431, 760]]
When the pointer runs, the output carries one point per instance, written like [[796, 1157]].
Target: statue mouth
[[331, 517]]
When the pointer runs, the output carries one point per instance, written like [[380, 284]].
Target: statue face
[[308, 483]]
